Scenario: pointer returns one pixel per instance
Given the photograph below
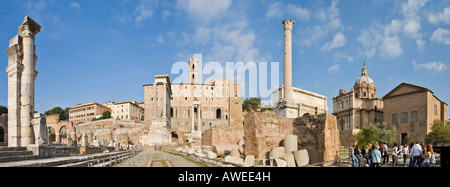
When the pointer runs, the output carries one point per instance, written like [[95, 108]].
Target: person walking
[[395, 153], [369, 155], [351, 155], [384, 153], [364, 153], [416, 154], [376, 156], [357, 153], [411, 145], [405, 154]]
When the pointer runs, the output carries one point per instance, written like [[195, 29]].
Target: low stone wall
[[225, 135], [45, 151], [264, 131]]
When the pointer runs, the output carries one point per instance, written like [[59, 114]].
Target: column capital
[[29, 28], [288, 24]]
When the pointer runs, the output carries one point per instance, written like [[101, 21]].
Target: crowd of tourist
[[418, 154]]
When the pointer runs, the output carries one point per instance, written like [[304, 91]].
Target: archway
[[51, 135], [2, 134], [64, 134], [174, 136]]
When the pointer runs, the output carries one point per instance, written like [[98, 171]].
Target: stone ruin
[[269, 140], [307, 139], [319, 135]]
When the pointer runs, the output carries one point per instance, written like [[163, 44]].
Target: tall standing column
[[14, 70], [28, 31], [288, 24]]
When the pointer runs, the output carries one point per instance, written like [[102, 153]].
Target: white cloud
[[203, 10], [420, 44], [391, 47], [441, 36], [75, 5], [333, 68], [338, 41], [443, 17], [369, 38], [144, 10], [386, 38], [327, 21], [432, 66], [279, 10], [338, 57]]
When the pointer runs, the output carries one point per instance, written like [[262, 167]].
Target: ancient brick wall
[[319, 135], [263, 131], [222, 135]]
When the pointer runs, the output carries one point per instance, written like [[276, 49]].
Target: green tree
[[63, 114], [106, 115], [3, 110], [366, 136], [378, 132], [251, 104], [440, 132], [407, 140]]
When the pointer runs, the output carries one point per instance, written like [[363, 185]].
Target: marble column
[[27, 31], [199, 121], [192, 119], [14, 70], [164, 105], [288, 24]]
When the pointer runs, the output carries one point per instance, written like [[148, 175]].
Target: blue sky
[[107, 49]]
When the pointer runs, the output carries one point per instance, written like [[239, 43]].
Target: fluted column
[[288, 24], [28, 31]]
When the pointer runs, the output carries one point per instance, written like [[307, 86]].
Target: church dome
[[364, 86], [364, 78]]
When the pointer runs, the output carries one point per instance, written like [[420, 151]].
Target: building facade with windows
[[359, 107], [126, 110], [195, 106], [86, 112], [412, 109]]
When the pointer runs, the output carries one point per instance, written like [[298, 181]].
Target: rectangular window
[[414, 116], [394, 119], [404, 117], [435, 110]]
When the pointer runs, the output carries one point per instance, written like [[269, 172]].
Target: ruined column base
[[287, 109]]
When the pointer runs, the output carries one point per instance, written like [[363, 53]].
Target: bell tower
[[193, 70]]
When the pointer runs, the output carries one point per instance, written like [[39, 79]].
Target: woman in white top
[[395, 152], [405, 154], [427, 156]]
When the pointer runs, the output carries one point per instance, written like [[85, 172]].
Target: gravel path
[[157, 157]]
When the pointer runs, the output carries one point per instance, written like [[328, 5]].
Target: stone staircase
[[11, 154]]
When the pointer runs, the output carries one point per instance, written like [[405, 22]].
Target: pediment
[[404, 88]]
